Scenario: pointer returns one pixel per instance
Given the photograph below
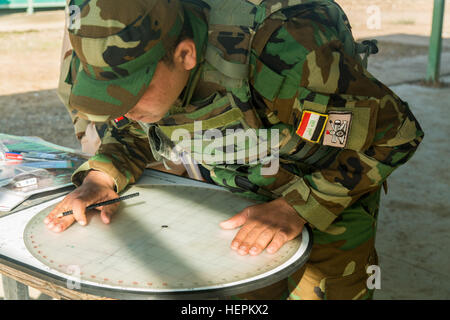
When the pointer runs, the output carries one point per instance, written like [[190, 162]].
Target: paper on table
[[43, 167], [32, 182], [9, 200]]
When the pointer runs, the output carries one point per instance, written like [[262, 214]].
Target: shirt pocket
[[212, 134], [277, 90], [219, 114]]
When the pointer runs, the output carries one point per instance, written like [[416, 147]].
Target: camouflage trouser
[[338, 262]]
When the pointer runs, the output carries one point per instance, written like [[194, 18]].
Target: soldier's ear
[[186, 54]]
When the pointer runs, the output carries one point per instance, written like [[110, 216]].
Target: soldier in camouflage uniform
[[87, 132], [289, 66]]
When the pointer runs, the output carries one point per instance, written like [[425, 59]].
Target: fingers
[[52, 214], [59, 224], [107, 212], [269, 225], [262, 241], [74, 201], [257, 239], [279, 239], [239, 240], [78, 201], [79, 211], [56, 224], [248, 244], [236, 221]]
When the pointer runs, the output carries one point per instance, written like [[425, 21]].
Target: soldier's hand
[[270, 225], [97, 187]]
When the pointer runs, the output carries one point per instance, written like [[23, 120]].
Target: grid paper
[[138, 252]]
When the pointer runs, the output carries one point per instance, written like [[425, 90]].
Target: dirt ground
[[29, 70], [397, 17], [30, 46]]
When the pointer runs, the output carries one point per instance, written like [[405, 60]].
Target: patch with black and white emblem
[[337, 130]]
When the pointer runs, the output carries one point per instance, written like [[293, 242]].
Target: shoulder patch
[[121, 122], [337, 129], [312, 126]]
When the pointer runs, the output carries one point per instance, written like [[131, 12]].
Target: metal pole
[[30, 9], [14, 290], [434, 59]]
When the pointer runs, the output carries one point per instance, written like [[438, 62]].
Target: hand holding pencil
[[96, 191], [100, 204]]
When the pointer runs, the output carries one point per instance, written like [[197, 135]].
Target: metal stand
[[434, 60], [14, 290]]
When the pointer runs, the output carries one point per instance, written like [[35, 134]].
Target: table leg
[[14, 290]]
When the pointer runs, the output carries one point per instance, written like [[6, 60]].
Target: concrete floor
[[413, 231], [413, 234]]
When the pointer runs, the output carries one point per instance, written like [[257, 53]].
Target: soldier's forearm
[[100, 178]]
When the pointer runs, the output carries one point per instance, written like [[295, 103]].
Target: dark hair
[[186, 33]]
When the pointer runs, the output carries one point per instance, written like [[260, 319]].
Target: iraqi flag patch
[[312, 126]]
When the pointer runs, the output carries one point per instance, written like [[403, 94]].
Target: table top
[[158, 254]]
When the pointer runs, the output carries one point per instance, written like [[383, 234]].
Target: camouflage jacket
[[342, 132]]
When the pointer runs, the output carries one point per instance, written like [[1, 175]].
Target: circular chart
[[166, 241]]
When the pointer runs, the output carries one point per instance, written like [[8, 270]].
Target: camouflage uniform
[[87, 132], [292, 66]]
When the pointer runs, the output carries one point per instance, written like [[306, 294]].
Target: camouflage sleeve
[[64, 88], [320, 75], [123, 155]]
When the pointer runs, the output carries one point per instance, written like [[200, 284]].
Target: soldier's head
[[130, 57]]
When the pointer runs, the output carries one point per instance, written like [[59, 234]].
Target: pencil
[[105, 203]]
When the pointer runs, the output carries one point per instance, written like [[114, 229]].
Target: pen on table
[[21, 157], [43, 155], [13, 156], [42, 164], [105, 203]]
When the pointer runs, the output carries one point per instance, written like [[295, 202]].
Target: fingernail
[[271, 250], [235, 245], [243, 250], [224, 225], [83, 223], [254, 250]]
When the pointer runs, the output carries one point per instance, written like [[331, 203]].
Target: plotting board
[[166, 240]]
